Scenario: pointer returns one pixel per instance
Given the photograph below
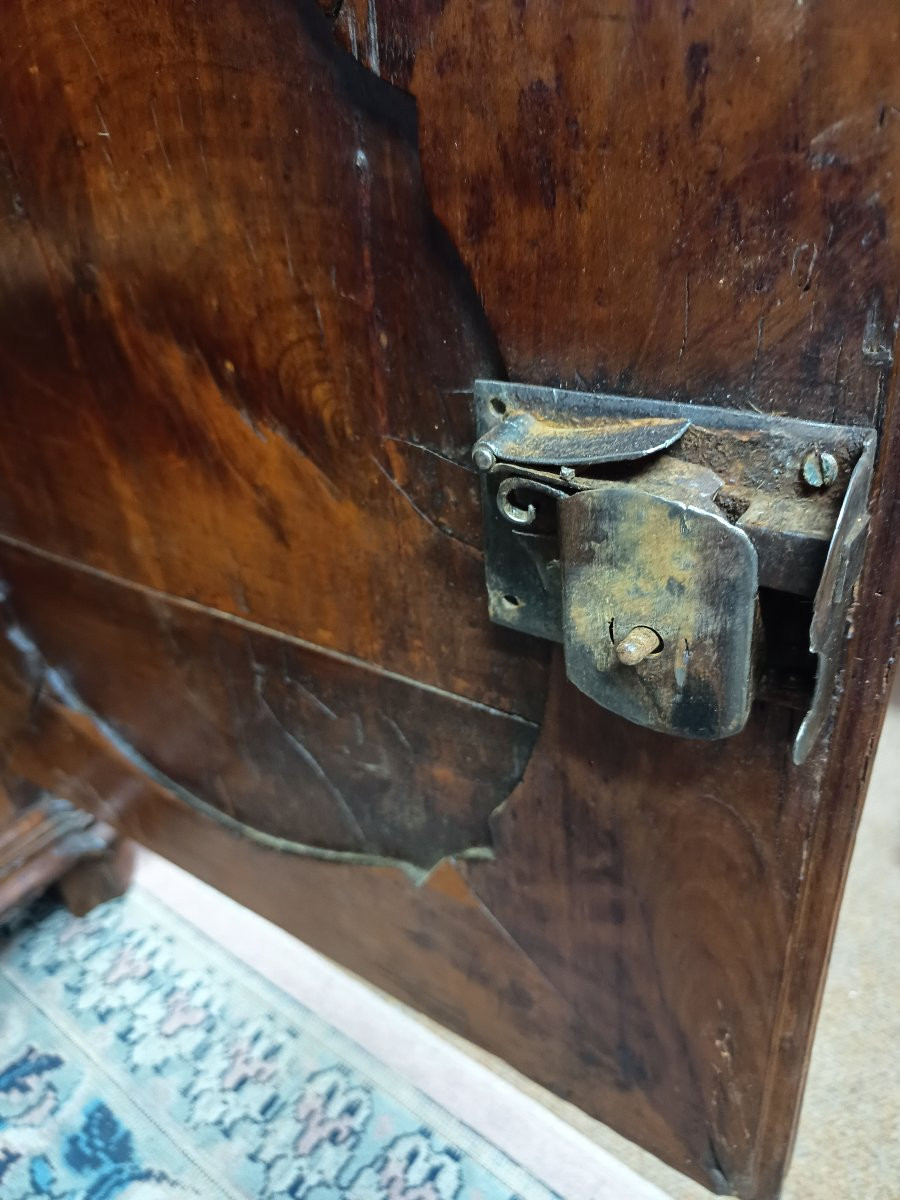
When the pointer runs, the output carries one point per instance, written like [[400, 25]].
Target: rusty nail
[[638, 645], [819, 469]]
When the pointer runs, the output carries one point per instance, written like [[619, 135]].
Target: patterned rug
[[139, 1060]]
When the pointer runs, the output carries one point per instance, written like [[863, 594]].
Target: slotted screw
[[819, 469]]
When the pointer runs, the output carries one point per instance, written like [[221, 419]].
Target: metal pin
[[483, 457], [638, 645]]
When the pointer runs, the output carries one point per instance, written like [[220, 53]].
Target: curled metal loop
[[518, 514]]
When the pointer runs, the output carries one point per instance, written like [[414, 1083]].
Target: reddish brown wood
[[45, 842], [223, 294], [97, 878], [303, 747], [7, 812], [671, 199], [236, 348]]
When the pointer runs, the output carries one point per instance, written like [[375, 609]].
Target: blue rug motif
[[140, 1061]]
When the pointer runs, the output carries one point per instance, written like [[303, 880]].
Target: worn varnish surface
[[305, 747], [224, 295], [241, 541], [670, 199]]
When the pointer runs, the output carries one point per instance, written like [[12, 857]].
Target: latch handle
[[528, 440]]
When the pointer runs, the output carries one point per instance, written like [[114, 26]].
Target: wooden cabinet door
[[253, 256]]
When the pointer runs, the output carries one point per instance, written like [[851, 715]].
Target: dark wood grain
[[301, 746], [688, 199], [223, 294], [236, 350]]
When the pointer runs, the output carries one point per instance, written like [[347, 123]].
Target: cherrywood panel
[[297, 744], [644, 936], [223, 294], [692, 199], [235, 360], [437, 945]]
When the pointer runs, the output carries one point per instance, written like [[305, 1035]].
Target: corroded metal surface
[[526, 438], [607, 514], [835, 596], [635, 560]]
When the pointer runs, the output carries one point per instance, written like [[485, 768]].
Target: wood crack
[[266, 630], [441, 529], [56, 685], [306, 755]]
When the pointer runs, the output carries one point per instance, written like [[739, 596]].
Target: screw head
[[819, 469], [483, 457]]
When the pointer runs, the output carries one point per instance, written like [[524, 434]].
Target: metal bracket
[[643, 535]]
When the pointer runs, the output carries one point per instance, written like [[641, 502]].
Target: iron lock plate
[[641, 534]]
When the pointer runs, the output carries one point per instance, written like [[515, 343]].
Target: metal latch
[[685, 555]]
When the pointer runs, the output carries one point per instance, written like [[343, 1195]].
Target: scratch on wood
[[372, 36], [202, 151], [159, 137], [425, 517], [309, 758], [742, 823], [225, 798], [264, 630], [103, 132], [87, 47], [876, 346], [804, 286], [834, 378], [426, 450], [504, 932], [65, 695], [104, 128], [287, 250], [687, 310], [397, 731], [312, 698], [252, 248], [760, 325]]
